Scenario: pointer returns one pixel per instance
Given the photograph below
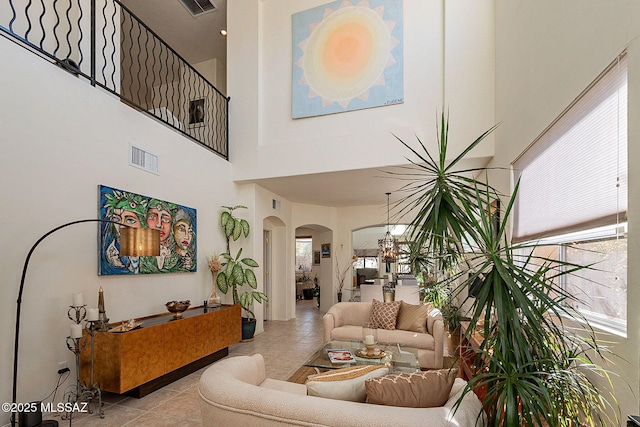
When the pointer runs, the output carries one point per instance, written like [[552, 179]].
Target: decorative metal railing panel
[[102, 41]]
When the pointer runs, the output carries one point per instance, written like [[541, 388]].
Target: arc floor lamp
[[134, 242]]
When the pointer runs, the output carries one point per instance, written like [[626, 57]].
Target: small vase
[[214, 299], [339, 296]]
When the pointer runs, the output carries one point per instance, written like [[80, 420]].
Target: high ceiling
[[197, 39]]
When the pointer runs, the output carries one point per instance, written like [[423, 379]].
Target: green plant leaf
[[250, 278], [245, 227], [221, 282], [238, 274], [237, 229], [224, 218], [249, 262], [246, 299], [228, 224], [259, 297]]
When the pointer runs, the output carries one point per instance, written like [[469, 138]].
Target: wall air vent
[[275, 204], [142, 159], [198, 7]]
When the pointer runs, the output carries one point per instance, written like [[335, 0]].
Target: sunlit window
[[304, 254]]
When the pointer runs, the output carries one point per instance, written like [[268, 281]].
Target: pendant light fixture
[[388, 245]]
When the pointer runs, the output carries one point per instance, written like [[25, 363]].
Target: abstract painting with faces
[[176, 223], [347, 55]]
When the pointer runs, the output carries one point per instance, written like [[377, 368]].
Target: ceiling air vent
[[198, 7]]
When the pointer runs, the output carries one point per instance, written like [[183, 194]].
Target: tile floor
[[284, 345]]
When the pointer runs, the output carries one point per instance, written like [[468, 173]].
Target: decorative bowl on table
[[177, 307]]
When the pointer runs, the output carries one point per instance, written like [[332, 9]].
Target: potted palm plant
[[531, 364], [438, 293], [237, 271]]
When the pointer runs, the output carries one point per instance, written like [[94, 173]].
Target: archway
[[320, 267], [369, 267]]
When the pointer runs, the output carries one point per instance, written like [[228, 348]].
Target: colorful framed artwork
[[177, 225], [347, 55], [325, 248]]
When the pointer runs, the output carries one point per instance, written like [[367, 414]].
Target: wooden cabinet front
[[124, 361]]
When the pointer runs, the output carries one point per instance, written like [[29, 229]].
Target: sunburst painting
[[347, 55]]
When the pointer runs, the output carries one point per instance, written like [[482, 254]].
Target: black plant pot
[[248, 328]]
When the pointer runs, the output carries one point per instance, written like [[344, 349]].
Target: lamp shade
[[139, 242]]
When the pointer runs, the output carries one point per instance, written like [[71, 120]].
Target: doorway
[[267, 249]]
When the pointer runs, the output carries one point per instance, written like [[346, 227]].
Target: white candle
[[77, 299], [76, 330], [92, 314], [368, 340]]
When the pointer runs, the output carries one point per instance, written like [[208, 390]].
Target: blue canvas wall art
[[347, 55]]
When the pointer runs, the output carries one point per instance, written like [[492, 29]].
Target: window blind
[[574, 176]]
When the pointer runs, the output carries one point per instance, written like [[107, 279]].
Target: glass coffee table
[[398, 359]]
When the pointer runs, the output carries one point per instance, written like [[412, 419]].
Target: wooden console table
[[162, 350]]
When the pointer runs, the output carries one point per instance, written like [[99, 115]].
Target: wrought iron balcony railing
[[102, 41]]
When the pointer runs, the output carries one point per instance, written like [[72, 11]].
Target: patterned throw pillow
[[413, 317], [344, 383], [384, 314], [426, 389]]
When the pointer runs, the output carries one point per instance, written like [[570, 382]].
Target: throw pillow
[[426, 389], [344, 383], [384, 314], [413, 317]]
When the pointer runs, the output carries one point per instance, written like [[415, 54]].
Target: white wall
[[547, 53], [62, 139], [215, 72], [259, 78]]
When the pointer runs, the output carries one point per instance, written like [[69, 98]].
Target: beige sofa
[[235, 392], [344, 321]]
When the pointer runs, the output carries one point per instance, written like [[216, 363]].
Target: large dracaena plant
[[533, 364], [435, 187], [237, 271]]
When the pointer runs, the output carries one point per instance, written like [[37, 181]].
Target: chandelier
[[388, 245]]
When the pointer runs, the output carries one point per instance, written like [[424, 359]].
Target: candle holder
[[90, 394], [77, 313], [370, 338]]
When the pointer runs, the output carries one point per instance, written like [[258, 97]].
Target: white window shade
[[574, 176]]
